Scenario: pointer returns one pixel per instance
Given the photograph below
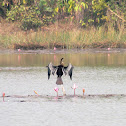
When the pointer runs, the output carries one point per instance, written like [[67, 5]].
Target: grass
[[60, 37]]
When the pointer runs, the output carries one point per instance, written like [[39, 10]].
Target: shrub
[[28, 16]]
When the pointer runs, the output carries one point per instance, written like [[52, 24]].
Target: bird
[[74, 87], [60, 70]]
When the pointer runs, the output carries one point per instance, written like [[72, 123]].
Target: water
[[102, 74]]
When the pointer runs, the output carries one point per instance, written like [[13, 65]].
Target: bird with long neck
[[60, 70], [60, 73], [61, 61]]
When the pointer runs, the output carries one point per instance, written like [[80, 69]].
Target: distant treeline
[[84, 13]]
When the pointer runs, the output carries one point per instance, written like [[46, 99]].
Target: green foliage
[[98, 5], [46, 11], [85, 13], [82, 23], [16, 13], [117, 14], [71, 4], [80, 5], [28, 16], [44, 7], [4, 6], [31, 19], [47, 19], [99, 11]]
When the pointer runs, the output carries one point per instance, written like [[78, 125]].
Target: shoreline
[[63, 51]]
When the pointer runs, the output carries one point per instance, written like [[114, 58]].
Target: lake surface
[[102, 73]]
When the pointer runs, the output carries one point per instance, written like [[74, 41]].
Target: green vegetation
[[34, 24], [62, 38]]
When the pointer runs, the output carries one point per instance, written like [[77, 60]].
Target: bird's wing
[[51, 69], [68, 70]]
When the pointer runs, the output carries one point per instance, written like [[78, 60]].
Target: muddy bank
[[63, 51], [34, 98], [31, 46]]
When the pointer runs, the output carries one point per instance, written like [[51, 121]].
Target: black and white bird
[[60, 70]]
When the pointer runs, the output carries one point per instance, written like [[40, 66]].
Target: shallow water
[[102, 74]]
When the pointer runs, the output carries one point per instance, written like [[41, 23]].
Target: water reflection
[[98, 107], [77, 59]]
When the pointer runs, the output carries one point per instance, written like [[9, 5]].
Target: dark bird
[[60, 70]]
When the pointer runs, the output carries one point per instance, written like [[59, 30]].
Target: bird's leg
[[63, 89]]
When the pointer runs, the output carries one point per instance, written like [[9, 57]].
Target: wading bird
[[60, 70]]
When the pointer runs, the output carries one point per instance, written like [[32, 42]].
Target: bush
[[28, 16]]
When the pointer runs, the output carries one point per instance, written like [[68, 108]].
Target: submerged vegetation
[[40, 24]]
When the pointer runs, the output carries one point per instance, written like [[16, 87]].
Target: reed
[[75, 38]]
